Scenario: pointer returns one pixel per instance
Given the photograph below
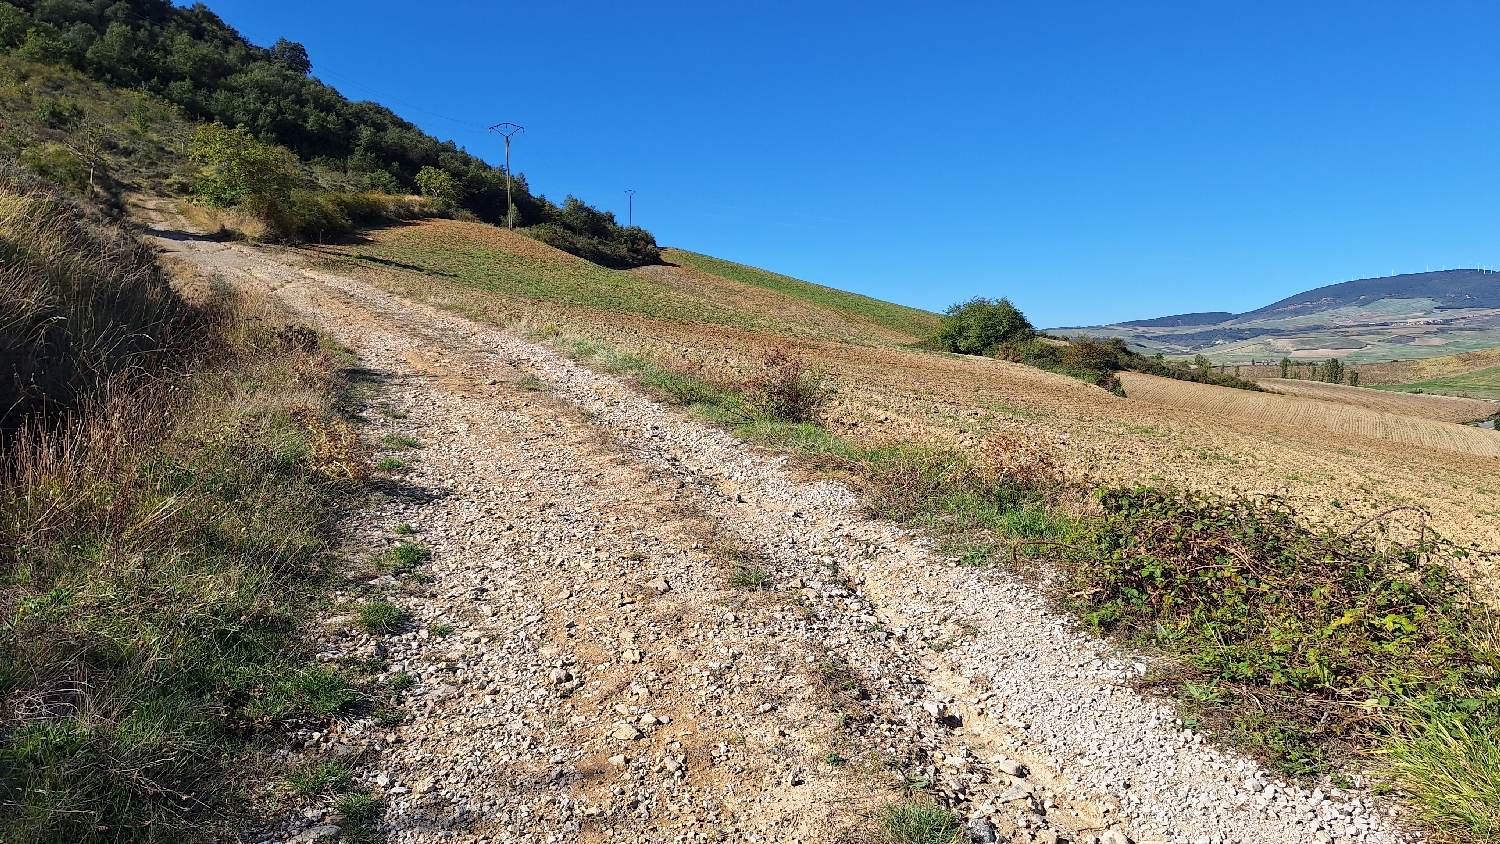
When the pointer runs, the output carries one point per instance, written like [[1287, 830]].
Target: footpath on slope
[[604, 681]]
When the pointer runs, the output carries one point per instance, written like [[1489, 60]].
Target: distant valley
[[1374, 320]]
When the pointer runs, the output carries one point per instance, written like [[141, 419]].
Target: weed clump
[[920, 821], [380, 617], [405, 557], [746, 577], [785, 390]]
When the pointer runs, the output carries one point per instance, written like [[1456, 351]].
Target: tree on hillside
[[1286, 366], [979, 326], [439, 184]]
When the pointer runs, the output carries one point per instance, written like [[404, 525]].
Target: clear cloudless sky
[[1093, 161]]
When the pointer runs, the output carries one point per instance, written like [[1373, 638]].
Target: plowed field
[[1442, 408]]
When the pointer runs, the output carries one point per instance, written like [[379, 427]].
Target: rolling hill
[[1373, 320]]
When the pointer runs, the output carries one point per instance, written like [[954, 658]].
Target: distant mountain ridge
[[1400, 317]]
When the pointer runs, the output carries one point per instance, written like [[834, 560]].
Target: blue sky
[[1092, 161]]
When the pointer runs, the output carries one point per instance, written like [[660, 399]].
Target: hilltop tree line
[[191, 58], [996, 328]]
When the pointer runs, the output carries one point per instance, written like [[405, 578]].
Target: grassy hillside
[[912, 321], [61, 125], [476, 263], [1479, 384]]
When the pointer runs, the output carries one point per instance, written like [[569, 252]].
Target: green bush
[[980, 326], [1285, 621]]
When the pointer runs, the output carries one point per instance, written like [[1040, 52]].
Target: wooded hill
[[193, 59]]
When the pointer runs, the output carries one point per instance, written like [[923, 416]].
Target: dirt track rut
[[605, 681]]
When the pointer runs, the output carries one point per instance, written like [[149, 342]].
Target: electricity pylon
[[505, 130]]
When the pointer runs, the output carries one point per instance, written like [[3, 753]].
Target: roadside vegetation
[[172, 463], [1324, 654], [995, 328]]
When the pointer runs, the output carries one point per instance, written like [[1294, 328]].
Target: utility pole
[[505, 130], [630, 212]]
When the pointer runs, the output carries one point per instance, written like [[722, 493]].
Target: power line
[[474, 127]]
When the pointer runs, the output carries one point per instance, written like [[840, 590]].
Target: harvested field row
[[1441, 408], [1299, 413]]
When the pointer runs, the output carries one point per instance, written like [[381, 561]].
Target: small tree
[[243, 171], [979, 326], [1286, 367], [1202, 364], [438, 184], [1353, 378]]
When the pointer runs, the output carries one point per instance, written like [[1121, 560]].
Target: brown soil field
[[1337, 463], [1442, 408], [1309, 414]]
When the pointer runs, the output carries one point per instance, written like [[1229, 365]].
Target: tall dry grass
[[81, 301], [166, 501]]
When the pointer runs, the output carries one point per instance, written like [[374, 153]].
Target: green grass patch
[[920, 821], [404, 557], [440, 631], [389, 464], [745, 577], [397, 442], [321, 778], [403, 529], [488, 260], [380, 617], [1450, 766], [912, 322]]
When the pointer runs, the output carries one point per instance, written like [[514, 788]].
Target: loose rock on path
[[586, 671]]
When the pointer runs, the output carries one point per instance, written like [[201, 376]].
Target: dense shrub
[[979, 326], [594, 235], [785, 390], [1285, 620]]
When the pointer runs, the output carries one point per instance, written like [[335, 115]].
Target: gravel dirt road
[[608, 677]]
